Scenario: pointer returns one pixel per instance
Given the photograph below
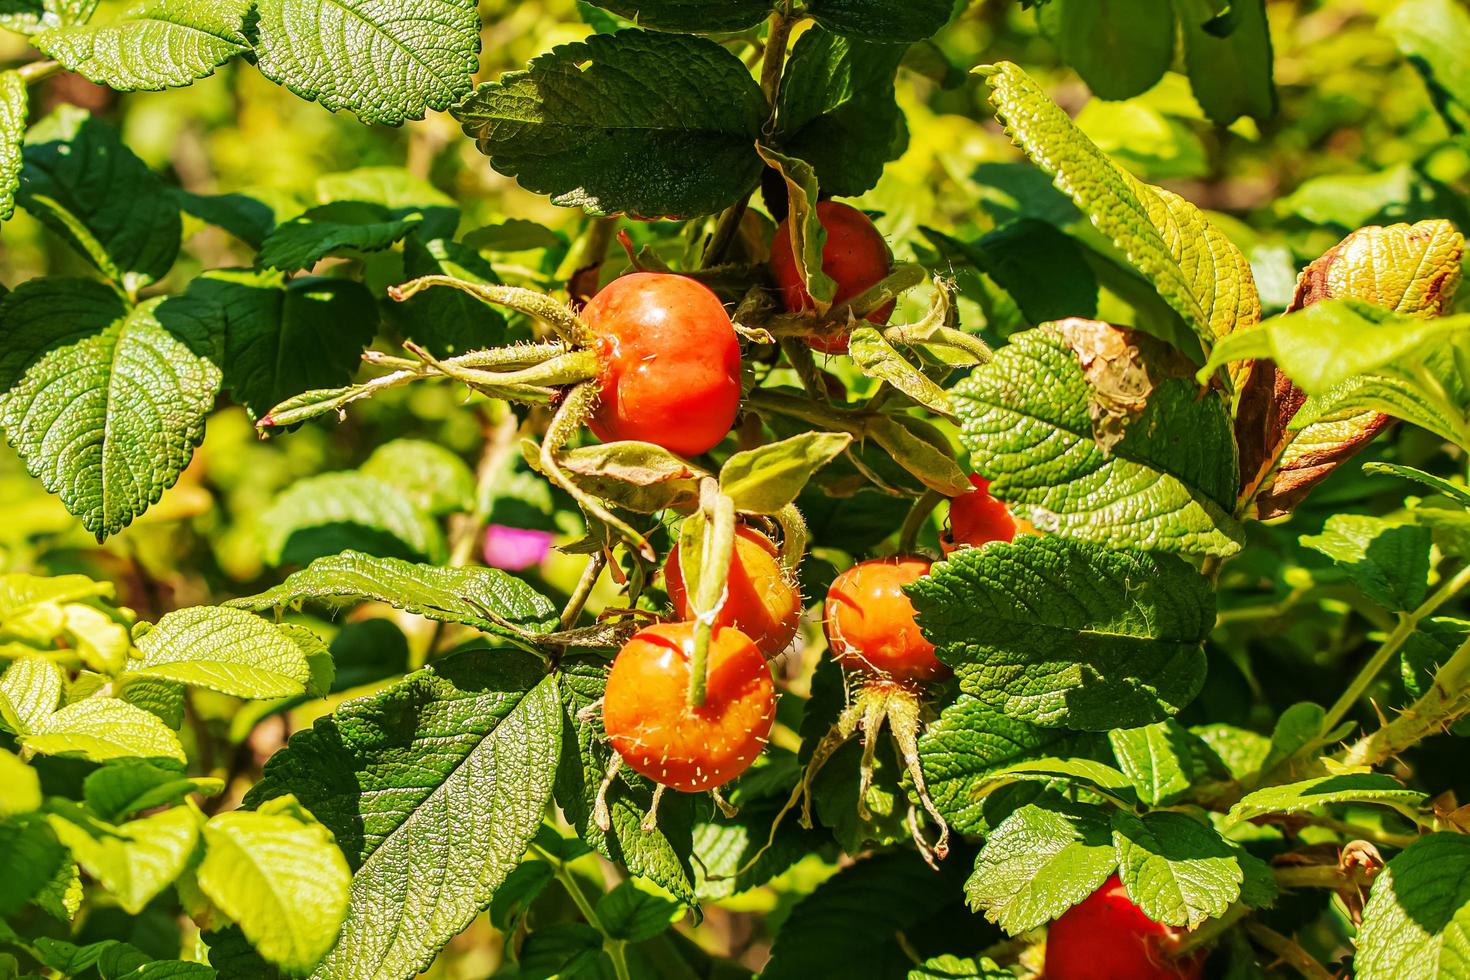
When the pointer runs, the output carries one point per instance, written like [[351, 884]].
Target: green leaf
[[101, 729], [1045, 270], [225, 650], [821, 938], [631, 914], [1333, 341], [14, 105], [279, 875], [1433, 34], [82, 182], [486, 598], [436, 480], [1427, 648], [386, 62], [434, 789], [448, 321], [1177, 870], [1058, 632], [571, 950], [276, 337], [971, 741], [1389, 561], [1086, 773], [951, 967], [159, 697], [1039, 862], [30, 691], [1417, 920], [676, 117], [877, 358], [837, 110], [661, 855], [882, 20], [1231, 75], [520, 889], [32, 859], [107, 414], [763, 480], [342, 228], [1077, 450], [1158, 758], [115, 960], [121, 789], [156, 45], [693, 16], [20, 786], [1362, 787], [322, 514], [1121, 48], [1161, 234], [33, 16], [1454, 491], [133, 861]]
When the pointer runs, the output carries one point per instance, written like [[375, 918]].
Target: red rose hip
[[854, 255]]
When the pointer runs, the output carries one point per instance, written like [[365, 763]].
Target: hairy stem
[[1287, 951], [1447, 700], [1407, 624], [556, 314]]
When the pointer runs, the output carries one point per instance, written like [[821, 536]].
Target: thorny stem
[[794, 536], [556, 314], [1446, 701], [1287, 951], [615, 948], [1407, 624]]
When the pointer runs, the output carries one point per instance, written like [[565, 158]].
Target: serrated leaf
[[1231, 76], [107, 414], [486, 598], [435, 479], [1044, 270], [30, 691], [156, 45], [115, 960], [33, 858], [1211, 288], [1039, 862], [14, 103], [346, 227], [661, 855], [1177, 870], [818, 939], [279, 875], [385, 61], [882, 20], [134, 861], [225, 650], [402, 192], [631, 914], [971, 741], [1417, 920], [1432, 34], [636, 122], [82, 182], [20, 786], [1426, 649], [1388, 560], [1089, 774], [101, 729], [1059, 632], [1364, 787], [1454, 491], [159, 697], [121, 789], [1042, 428], [322, 514], [763, 480], [1121, 48], [695, 16], [837, 110], [434, 788], [951, 967], [22, 594], [276, 337], [1158, 758]]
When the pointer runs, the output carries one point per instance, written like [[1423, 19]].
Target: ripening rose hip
[[870, 623], [648, 719], [670, 363], [976, 517], [1107, 937], [854, 255], [761, 600]]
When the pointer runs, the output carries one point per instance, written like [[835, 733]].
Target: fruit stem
[[585, 584], [1287, 951], [794, 536], [1407, 624], [918, 516], [615, 948]]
